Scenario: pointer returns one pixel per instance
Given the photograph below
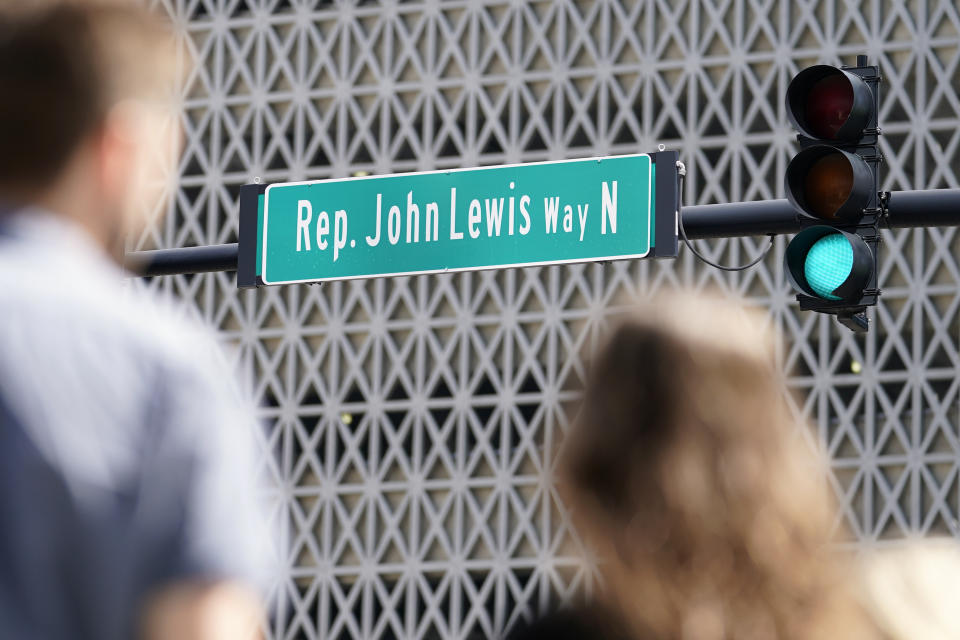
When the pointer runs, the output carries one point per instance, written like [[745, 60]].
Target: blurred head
[[687, 474], [87, 119]]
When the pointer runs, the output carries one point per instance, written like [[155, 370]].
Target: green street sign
[[456, 220]]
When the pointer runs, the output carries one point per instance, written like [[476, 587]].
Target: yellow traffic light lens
[[828, 184], [828, 106]]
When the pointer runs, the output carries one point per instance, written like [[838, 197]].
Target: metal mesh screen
[[411, 420]]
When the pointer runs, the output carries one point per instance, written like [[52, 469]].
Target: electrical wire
[[682, 172]]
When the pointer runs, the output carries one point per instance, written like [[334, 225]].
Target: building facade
[[410, 423]]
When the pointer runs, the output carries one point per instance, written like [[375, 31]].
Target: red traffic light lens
[[828, 184], [828, 105]]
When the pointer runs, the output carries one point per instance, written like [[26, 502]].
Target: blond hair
[[685, 469]]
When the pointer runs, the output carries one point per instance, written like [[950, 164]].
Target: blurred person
[[912, 591], [684, 470], [128, 492]]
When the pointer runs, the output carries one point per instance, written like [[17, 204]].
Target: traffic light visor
[[828, 263], [831, 104], [827, 183]]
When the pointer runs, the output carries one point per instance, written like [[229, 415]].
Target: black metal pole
[[930, 208], [760, 218], [166, 262]]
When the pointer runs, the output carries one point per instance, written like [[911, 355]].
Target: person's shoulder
[[94, 311], [87, 360], [166, 330]]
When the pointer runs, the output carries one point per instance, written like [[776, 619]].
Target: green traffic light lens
[[828, 263]]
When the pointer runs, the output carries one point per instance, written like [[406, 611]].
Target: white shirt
[[126, 456]]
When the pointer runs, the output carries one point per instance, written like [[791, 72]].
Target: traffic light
[[833, 183]]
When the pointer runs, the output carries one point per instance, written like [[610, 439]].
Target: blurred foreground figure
[[913, 591], [685, 471], [127, 467]]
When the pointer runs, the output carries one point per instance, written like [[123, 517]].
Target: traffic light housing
[[834, 185]]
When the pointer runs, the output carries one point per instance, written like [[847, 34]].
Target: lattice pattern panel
[[411, 421]]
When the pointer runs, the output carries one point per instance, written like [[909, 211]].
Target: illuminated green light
[[828, 263]]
